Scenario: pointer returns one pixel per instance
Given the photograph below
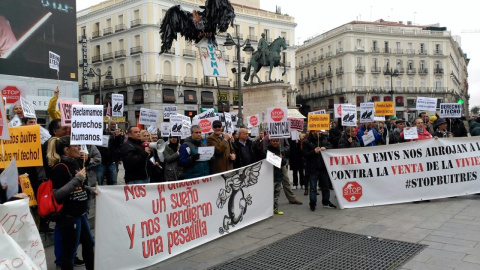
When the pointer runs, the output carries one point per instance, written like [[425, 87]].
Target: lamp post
[[108, 76], [248, 49], [391, 73]]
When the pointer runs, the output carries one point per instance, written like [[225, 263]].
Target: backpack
[[48, 207]]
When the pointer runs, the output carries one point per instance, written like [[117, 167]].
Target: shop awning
[[294, 113]]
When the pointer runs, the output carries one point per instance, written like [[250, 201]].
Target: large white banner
[[87, 124], [213, 60], [17, 225], [421, 170], [278, 124], [118, 105], [150, 223]]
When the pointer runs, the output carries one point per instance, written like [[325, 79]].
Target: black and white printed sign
[[28, 109], [367, 112], [169, 110], [148, 117], [426, 104], [54, 60], [450, 110], [87, 124], [118, 105], [349, 115]]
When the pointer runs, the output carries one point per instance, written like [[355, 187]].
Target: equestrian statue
[[266, 55]]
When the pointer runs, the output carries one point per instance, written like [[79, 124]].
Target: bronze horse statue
[[272, 59]]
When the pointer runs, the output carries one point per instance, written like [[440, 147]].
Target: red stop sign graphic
[[205, 125], [277, 115], [352, 191], [339, 110], [12, 93], [253, 120]]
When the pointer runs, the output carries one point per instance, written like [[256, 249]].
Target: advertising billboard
[[38, 39]]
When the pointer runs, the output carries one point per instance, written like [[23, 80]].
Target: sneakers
[[294, 187], [78, 262], [329, 205], [277, 212], [296, 202]]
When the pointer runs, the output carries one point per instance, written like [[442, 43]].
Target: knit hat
[[433, 118]]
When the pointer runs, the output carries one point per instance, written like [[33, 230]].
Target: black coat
[[296, 156], [314, 161], [241, 152], [134, 160]]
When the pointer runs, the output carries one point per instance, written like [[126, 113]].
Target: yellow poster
[[27, 189], [384, 108], [24, 145], [318, 122]]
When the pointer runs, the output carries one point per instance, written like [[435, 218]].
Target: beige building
[[122, 36], [348, 65]]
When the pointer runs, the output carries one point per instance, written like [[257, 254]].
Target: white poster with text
[[87, 125]]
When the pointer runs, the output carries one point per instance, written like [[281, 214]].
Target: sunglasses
[[217, 126]]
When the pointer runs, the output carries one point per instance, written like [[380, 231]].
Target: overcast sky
[[315, 17]]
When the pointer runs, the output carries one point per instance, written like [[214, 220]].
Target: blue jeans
[[110, 171], [323, 180], [58, 249], [134, 182]]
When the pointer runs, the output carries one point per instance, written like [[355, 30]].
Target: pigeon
[[115, 108], [364, 115], [345, 117]]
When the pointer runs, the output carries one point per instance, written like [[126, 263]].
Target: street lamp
[[391, 73], [248, 49], [108, 76]]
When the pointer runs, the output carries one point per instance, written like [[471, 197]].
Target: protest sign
[[148, 117], [118, 105], [213, 60], [349, 115], [54, 61], [368, 138], [28, 109], [206, 152], [450, 110], [379, 118], [277, 119], [253, 120], [410, 133], [205, 124], [146, 225], [294, 135], [274, 159], [66, 111], [152, 130], [426, 104], [165, 130], [296, 123], [318, 112], [3, 123], [169, 110], [255, 131], [27, 188], [176, 123], [15, 122], [87, 125], [207, 114], [9, 177], [367, 112], [384, 108], [44, 135], [186, 125], [228, 123], [318, 122], [399, 173], [24, 145], [337, 110], [234, 118], [19, 238]]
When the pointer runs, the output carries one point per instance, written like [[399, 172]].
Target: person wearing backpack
[[71, 190]]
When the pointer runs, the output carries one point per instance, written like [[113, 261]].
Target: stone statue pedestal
[[259, 97]]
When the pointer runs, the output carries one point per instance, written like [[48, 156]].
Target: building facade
[[123, 37], [354, 62]]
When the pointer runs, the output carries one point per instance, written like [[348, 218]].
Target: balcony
[[169, 79], [400, 70], [135, 79], [398, 51], [301, 64], [301, 81], [171, 51], [307, 61], [340, 51], [252, 38], [107, 56], [411, 89], [375, 50], [189, 53], [438, 52], [307, 79], [288, 64], [360, 69], [80, 38], [329, 74], [339, 71], [107, 31], [120, 82], [328, 54], [360, 49], [190, 80], [119, 27], [422, 71], [376, 70], [95, 85], [320, 57], [438, 71], [95, 34], [410, 51], [135, 50], [422, 52], [136, 23], [314, 77], [120, 54], [224, 82], [235, 35], [386, 50], [208, 82], [314, 59], [108, 83], [411, 71], [321, 75], [242, 59], [96, 59]]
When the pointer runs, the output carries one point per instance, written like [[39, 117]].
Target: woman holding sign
[[71, 190]]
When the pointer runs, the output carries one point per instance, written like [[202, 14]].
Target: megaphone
[[159, 146]]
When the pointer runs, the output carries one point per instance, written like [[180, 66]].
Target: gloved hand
[[195, 157]]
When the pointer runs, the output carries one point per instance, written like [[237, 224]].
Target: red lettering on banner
[[134, 190], [13, 219], [184, 198], [150, 227], [152, 246], [186, 234], [208, 179], [173, 186], [159, 205], [407, 168], [345, 160], [467, 162], [131, 235]]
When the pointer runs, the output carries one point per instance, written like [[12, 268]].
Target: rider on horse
[[263, 47]]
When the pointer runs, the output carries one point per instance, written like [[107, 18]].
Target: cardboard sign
[[207, 114], [255, 131], [384, 108], [205, 124], [169, 110], [450, 110], [118, 104], [28, 109], [318, 122], [15, 122], [337, 110], [294, 135], [54, 60], [24, 145], [367, 112], [176, 124], [318, 112], [148, 117], [349, 115], [206, 152], [165, 129], [66, 111], [87, 124], [278, 124], [426, 104], [228, 123]]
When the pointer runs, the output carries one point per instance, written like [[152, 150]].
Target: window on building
[[423, 85], [340, 63], [410, 65], [411, 103], [386, 47], [374, 46], [45, 92], [375, 63], [120, 19], [399, 84], [314, 71], [422, 48], [437, 49], [375, 83], [438, 84], [267, 33], [359, 83]]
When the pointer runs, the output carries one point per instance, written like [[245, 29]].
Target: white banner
[[426, 104], [213, 60], [405, 172], [228, 123], [17, 224], [450, 110], [169, 110], [367, 112], [148, 117], [54, 60], [87, 124], [150, 223], [349, 115], [28, 109], [118, 105], [278, 125]]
